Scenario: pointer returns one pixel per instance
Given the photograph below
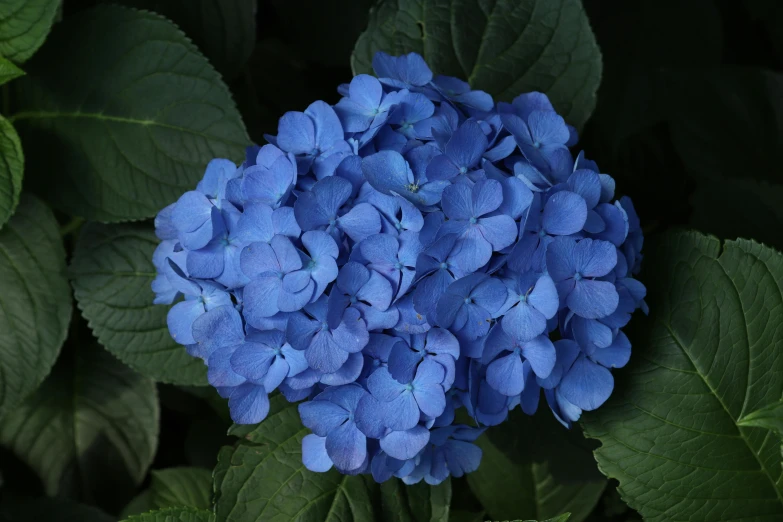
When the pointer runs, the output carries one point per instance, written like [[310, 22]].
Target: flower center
[[413, 187], [537, 144], [577, 276], [353, 299], [409, 387], [444, 266], [473, 221], [324, 326], [468, 300], [463, 170], [398, 265]]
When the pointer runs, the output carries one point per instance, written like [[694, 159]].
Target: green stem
[[72, 226]]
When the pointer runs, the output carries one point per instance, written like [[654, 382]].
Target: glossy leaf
[[705, 359], [35, 303], [111, 273], [155, 113], [504, 47]]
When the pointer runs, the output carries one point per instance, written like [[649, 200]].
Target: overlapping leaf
[[708, 356], [111, 274], [120, 113], [11, 168], [35, 302], [24, 25]]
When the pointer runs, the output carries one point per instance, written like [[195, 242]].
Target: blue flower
[[393, 257], [170, 249], [313, 136], [365, 290], [411, 114], [436, 269], [219, 327], [389, 173], [320, 209], [574, 266], [462, 153], [541, 135], [469, 211], [532, 300], [406, 71], [470, 303], [320, 261], [200, 297], [437, 345], [367, 106], [326, 348], [267, 359], [505, 371], [402, 404], [397, 214], [330, 415], [271, 179], [277, 281], [452, 452], [459, 92]]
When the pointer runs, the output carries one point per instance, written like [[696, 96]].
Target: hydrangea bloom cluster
[[413, 250]]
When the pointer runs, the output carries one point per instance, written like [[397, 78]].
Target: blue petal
[[324, 354], [593, 299], [347, 373], [346, 446], [486, 196], [467, 145], [505, 375], [595, 258], [369, 417], [404, 445], [408, 69], [220, 373], [252, 360], [587, 184], [221, 326], [296, 133], [540, 353], [322, 416], [403, 362], [457, 202], [328, 129], [383, 386], [352, 333], [249, 404], [387, 172], [401, 413], [586, 385], [616, 355], [261, 298], [361, 222], [565, 213], [314, 455], [462, 457]]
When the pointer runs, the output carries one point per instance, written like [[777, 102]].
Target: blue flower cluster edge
[[413, 250]]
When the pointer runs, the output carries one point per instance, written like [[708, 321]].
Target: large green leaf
[[8, 71], [504, 47], [532, 467], [50, 509], [120, 114], [24, 25], [11, 169], [706, 357], [263, 479], [111, 274], [90, 430], [417, 503], [35, 302], [180, 514], [224, 30]]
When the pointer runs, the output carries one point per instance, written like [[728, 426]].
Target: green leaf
[[189, 487], [50, 509], [111, 274], [706, 357], [416, 503], [24, 25], [141, 503], [263, 478], [178, 514], [35, 303], [11, 168], [534, 468], [769, 417], [8, 71], [153, 116], [224, 30], [91, 428], [504, 47]]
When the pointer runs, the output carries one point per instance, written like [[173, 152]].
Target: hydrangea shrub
[[415, 250]]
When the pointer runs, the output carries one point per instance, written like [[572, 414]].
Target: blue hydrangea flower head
[[414, 250]]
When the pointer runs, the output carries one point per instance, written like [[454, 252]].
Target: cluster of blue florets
[[408, 252]]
